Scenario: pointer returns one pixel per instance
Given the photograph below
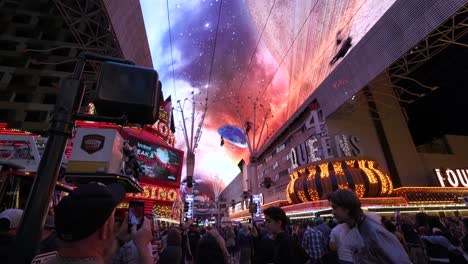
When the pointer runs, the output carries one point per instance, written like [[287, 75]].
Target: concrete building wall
[[37, 49], [354, 119], [407, 160], [127, 20], [459, 147], [28, 87], [455, 160]]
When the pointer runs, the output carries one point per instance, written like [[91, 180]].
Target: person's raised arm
[[142, 239]]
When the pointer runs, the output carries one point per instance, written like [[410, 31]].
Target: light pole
[[193, 137], [254, 140]]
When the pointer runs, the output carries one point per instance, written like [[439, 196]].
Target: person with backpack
[[369, 241]]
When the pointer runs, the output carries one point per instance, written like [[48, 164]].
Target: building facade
[[39, 41], [356, 120]]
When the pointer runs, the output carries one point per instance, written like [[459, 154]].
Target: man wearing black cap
[[84, 222]]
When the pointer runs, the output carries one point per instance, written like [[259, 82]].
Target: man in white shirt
[[337, 238]]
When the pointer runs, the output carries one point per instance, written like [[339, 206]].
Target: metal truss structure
[[449, 33], [446, 34], [90, 24]]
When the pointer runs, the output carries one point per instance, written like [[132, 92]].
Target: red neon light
[[155, 193], [5, 131], [143, 134], [87, 124]]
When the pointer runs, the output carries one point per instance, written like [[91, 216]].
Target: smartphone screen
[[136, 214]]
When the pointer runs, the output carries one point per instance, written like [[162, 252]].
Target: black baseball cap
[[86, 209]]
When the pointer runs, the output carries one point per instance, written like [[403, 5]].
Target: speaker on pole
[[129, 90]]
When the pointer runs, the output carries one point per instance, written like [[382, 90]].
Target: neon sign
[[452, 177], [257, 200], [320, 146], [189, 200], [156, 193]]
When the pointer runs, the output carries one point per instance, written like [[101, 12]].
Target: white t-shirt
[[337, 236]]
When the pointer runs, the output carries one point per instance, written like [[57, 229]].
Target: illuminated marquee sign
[[257, 199], [452, 177], [320, 146], [189, 200], [156, 193], [162, 126]]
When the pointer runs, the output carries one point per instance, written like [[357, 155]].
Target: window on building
[[49, 81], [21, 18], [35, 116], [23, 98], [284, 173], [276, 177], [280, 147], [4, 114], [5, 96], [49, 99], [275, 165], [268, 158]]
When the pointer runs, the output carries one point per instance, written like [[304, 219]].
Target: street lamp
[[254, 139], [193, 137]]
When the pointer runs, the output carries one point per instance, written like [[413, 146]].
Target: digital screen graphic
[[157, 161], [269, 54]]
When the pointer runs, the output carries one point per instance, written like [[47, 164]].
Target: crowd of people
[[84, 229]]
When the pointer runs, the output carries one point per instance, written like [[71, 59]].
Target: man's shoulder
[[378, 234], [312, 231], [371, 223], [284, 240]]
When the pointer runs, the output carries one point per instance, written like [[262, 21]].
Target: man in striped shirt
[[314, 244]]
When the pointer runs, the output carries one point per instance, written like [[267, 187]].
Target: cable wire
[[256, 47], [289, 49], [170, 41], [214, 48], [200, 125]]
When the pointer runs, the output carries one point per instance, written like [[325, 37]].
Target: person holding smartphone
[[132, 249], [85, 226], [136, 213]]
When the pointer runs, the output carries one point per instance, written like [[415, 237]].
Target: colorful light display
[[314, 182], [156, 193], [279, 57]]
